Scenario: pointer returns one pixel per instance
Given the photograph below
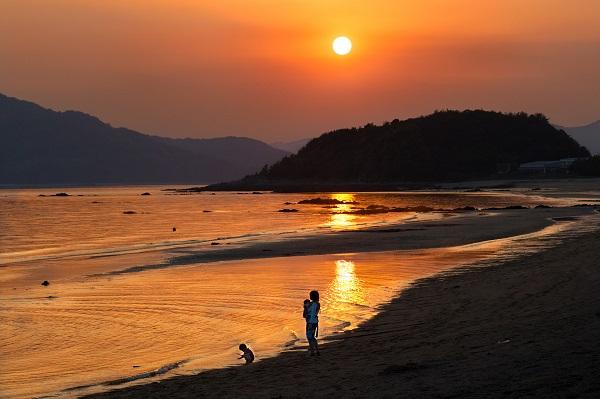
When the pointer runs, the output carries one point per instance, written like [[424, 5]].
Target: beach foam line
[[148, 374]]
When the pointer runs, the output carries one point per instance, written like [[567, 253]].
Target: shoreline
[[516, 328], [293, 186], [459, 229]]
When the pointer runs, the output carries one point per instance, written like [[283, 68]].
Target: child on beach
[[311, 314], [247, 354], [305, 312]]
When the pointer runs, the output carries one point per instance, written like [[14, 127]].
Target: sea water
[[89, 331]]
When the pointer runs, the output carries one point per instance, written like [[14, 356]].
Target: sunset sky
[[265, 68]]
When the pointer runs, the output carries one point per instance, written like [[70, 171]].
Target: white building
[[560, 166]]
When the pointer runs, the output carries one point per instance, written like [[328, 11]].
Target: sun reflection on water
[[346, 288], [339, 219]]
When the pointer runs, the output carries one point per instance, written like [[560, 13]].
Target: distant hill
[[446, 145], [244, 153], [42, 146], [291, 146], [588, 135]]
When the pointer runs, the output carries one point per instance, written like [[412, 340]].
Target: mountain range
[[587, 135], [39, 146]]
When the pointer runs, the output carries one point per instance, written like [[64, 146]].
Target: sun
[[341, 45]]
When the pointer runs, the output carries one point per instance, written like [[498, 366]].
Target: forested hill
[[443, 146], [446, 145]]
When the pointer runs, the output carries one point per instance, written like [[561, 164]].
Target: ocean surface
[[90, 330]]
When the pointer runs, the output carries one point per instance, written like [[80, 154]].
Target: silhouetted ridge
[[42, 146], [446, 145], [443, 146]]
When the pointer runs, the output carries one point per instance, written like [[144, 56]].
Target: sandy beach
[[522, 328], [245, 289], [455, 229], [416, 181]]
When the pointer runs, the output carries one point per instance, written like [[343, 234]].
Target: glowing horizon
[[266, 69]]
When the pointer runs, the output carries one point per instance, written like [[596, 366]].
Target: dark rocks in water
[[465, 208], [326, 201], [377, 209], [146, 193], [215, 243], [45, 283], [370, 210], [505, 208], [129, 212], [373, 207], [256, 192], [288, 210], [542, 206], [287, 203], [420, 208], [61, 195], [365, 211], [174, 228], [96, 202], [42, 195], [206, 211]]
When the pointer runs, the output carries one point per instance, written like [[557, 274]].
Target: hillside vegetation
[[446, 145]]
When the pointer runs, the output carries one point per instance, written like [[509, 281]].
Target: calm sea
[[85, 330]]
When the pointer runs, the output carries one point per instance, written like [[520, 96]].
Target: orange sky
[[265, 69]]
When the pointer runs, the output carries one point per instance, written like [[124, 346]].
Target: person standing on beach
[[312, 322]]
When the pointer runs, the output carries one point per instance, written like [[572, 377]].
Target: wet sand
[[523, 328], [456, 229]]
